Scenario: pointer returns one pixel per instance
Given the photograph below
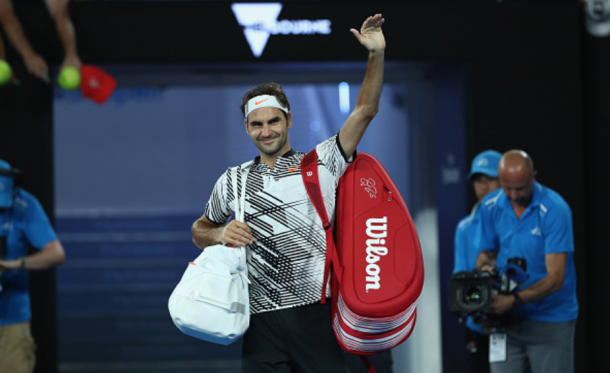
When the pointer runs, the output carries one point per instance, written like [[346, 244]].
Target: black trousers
[[299, 339], [477, 352]]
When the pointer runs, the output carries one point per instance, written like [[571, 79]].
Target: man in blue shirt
[[484, 177], [23, 224], [528, 220]]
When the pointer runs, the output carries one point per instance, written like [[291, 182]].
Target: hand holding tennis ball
[[5, 72], [69, 78]]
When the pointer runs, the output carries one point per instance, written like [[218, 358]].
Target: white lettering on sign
[[259, 21]]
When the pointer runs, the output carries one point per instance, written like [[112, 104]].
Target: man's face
[[484, 184], [518, 185], [268, 129]]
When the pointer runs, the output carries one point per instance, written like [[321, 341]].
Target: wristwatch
[[518, 300]]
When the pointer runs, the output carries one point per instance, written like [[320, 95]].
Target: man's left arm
[[367, 103], [559, 242], [41, 235], [553, 282], [51, 255]]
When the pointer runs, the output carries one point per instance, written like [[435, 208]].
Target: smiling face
[[268, 129]]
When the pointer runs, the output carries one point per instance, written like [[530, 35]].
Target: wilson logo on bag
[[377, 265], [375, 249]]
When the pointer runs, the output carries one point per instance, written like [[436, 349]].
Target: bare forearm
[[65, 29], [486, 260], [205, 235], [51, 255], [367, 104], [14, 33], [541, 289], [370, 93]]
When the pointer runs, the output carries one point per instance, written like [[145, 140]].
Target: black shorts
[[299, 339]]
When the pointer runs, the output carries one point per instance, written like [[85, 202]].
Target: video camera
[[470, 292]]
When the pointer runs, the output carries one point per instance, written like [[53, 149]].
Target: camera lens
[[473, 294]]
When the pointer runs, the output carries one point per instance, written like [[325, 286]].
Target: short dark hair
[[270, 88]]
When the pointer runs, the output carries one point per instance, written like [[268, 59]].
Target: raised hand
[[370, 34]]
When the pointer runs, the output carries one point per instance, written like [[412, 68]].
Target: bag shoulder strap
[[309, 169], [240, 176]]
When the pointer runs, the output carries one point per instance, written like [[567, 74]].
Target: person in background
[[528, 220], [34, 63], [23, 224], [484, 178]]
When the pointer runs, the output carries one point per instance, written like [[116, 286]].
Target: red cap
[[96, 84]]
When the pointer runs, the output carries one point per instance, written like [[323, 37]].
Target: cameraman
[[23, 223], [484, 178], [529, 220]]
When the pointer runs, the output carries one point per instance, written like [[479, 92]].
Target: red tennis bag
[[377, 265]]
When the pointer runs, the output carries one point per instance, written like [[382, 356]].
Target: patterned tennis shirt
[[286, 260]]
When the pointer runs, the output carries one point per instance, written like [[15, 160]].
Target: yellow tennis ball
[[5, 72], [69, 78]]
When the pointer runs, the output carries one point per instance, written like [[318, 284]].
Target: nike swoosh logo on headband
[[259, 102]]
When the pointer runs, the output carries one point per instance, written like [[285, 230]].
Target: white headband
[[263, 101]]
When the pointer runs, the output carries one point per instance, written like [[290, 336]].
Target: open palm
[[370, 34]]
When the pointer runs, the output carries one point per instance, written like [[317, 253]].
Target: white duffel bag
[[211, 300]]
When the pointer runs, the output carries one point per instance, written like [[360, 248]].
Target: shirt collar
[[536, 198], [289, 153]]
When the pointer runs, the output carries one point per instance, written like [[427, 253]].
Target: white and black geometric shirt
[[286, 260]]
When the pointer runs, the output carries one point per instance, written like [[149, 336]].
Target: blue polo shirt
[[466, 245], [23, 224], [544, 228]]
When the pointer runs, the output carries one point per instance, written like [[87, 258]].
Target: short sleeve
[[332, 157], [488, 237], [557, 229], [38, 228], [460, 247], [218, 208]]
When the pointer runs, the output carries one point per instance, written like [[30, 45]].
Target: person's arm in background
[[51, 255], [61, 16], [488, 243], [487, 260], [460, 256], [367, 103], [14, 33]]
